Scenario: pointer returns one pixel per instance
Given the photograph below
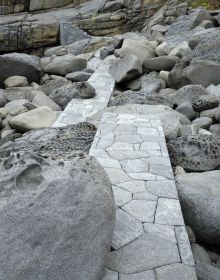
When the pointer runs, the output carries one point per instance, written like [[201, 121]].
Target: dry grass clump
[[209, 4]]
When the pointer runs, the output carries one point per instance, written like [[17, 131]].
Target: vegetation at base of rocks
[[209, 4]]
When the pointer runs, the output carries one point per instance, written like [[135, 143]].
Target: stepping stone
[[145, 253]]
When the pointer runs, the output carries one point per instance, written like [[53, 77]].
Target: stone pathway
[[150, 241], [79, 109]]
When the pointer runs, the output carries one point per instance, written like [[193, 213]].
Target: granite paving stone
[[184, 246], [145, 275], [134, 166], [150, 241], [176, 271], [164, 171], [166, 189], [127, 229], [163, 231], [117, 175], [149, 233], [168, 212], [121, 196], [133, 186], [141, 210], [146, 252], [144, 196]]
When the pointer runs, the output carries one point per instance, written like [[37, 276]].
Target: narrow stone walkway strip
[[150, 241], [79, 109]]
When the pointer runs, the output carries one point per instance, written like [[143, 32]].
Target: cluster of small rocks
[[47, 85]]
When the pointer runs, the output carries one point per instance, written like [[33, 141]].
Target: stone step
[[150, 240], [79, 109]]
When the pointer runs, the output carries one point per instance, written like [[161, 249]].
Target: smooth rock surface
[[200, 200], [126, 68], [37, 118], [62, 217], [20, 64], [62, 65]]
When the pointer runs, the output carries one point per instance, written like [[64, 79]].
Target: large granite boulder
[[19, 64], [65, 94], [165, 63], [199, 195], [170, 119], [126, 68], [195, 153], [143, 49], [57, 217], [41, 99], [62, 65], [16, 81], [49, 86], [201, 66], [37, 118]]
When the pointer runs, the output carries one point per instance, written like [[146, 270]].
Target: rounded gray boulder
[[56, 216], [199, 195]]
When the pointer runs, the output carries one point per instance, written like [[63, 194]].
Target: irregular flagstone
[[141, 210], [133, 186], [176, 271], [127, 229], [149, 230], [121, 196], [146, 252], [145, 275], [80, 109], [144, 196], [169, 212], [184, 246], [163, 231], [166, 189]]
